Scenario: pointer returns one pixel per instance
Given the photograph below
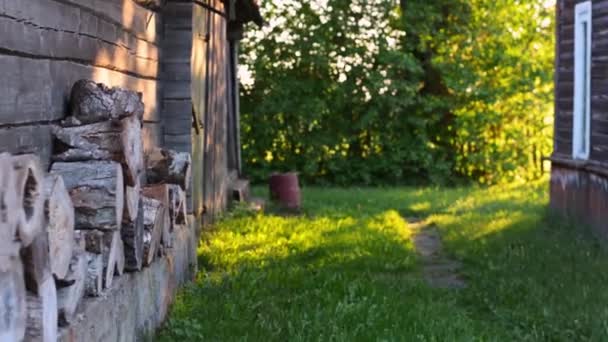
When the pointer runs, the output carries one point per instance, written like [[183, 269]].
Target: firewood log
[[8, 196], [13, 313], [120, 141], [108, 245], [177, 196], [132, 199], [113, 252], [120, 258], [36, 263], [42, 317], [97, 192], [68, 298], [59, 212], [91, 102], [29, 182], [156, 217], [132, 233], [168, 166], [94, 281]]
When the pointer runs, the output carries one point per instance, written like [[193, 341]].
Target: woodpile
[[67, 233]]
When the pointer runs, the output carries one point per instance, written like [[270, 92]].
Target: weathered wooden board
[[24, 101]]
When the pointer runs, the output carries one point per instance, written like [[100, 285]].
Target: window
[[582, 82]]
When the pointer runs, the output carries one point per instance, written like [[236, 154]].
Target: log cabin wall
[[47, 45], [196, 99], [579, 188]]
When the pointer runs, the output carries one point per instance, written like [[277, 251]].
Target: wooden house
[[181, 57], [579, 176], [180, 54]]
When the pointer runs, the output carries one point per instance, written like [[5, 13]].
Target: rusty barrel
[[285, 190]]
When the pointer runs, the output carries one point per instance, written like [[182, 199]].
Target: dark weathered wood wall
[[46, 45], [580, 188], [565, 80], [196, 71]]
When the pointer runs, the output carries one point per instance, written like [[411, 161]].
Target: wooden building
[[180, 54], [579, 177]]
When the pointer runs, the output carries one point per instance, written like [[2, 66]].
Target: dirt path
[[438, 269]]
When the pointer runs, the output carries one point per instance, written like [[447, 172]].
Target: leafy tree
[[368, 92]]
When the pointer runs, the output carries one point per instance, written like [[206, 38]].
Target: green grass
[[346, 270]]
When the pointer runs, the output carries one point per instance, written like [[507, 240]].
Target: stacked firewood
[[103, 209]]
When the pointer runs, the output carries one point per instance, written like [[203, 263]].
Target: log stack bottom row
[[103, 208]]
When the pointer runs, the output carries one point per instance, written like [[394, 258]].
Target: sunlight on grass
[[345, 270]]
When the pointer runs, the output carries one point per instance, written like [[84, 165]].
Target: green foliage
[[367, 92], [346, 271]]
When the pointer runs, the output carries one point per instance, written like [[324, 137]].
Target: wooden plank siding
[[195, 74], [565, 80], [47, 45]]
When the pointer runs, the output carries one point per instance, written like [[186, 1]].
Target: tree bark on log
[[97, 192], [168, 166], [8, 196], [92, 102], [94, 281], [132, 233], [156, 216], [59, 212], [29, 182], [42, 316], [36, 263], [120, 141], [68, 298], [13, 315]]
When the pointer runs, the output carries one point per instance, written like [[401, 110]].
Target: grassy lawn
[[347, 270]]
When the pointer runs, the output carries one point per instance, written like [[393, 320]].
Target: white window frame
[[581, 129]]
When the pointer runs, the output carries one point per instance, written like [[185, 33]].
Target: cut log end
[[9, 204], [59, 212], [29, 187], [94, 278], [68, 298], [92, 102], [168, 166], [13, 298], [42, 315]]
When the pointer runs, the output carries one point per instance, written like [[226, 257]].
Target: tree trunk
[[42, 313], [132, 233], [59, 211], [156, 217], [29, 181], [36, 263], [97, 191], [12, 295], [68, 298], [168, 166], [8, 196], [94, 280], [92, 102], [120, 141]]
